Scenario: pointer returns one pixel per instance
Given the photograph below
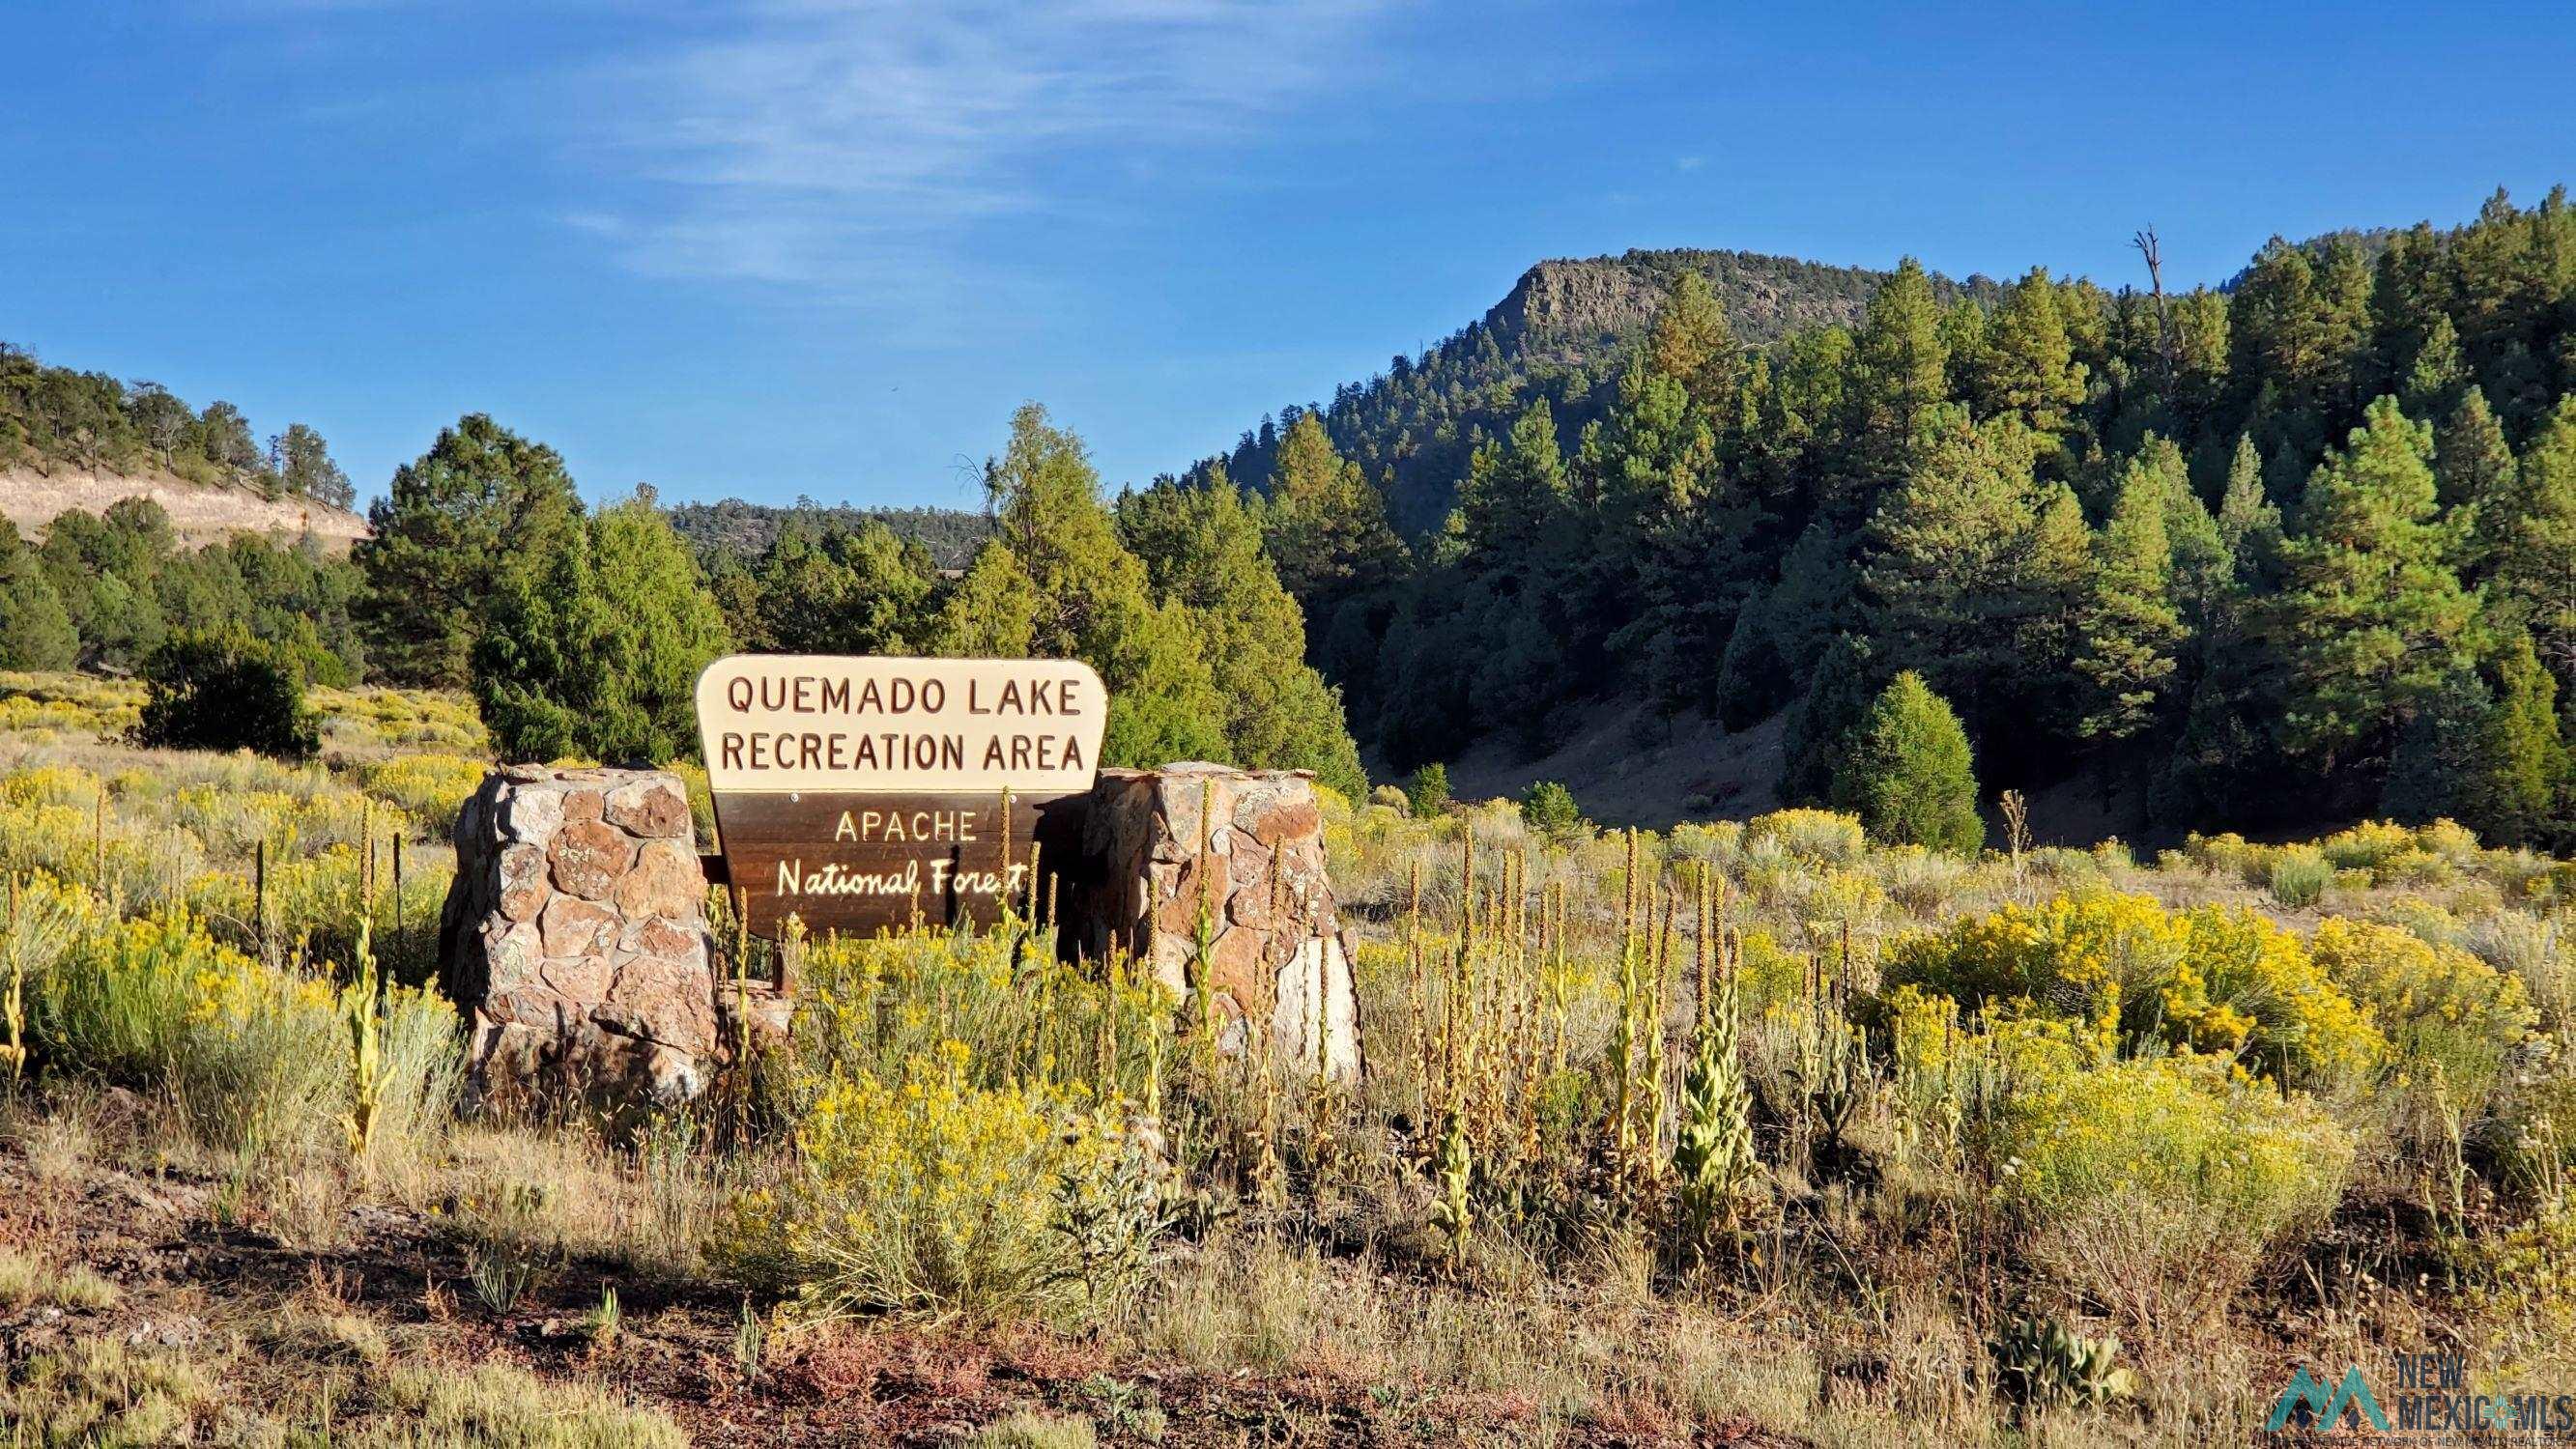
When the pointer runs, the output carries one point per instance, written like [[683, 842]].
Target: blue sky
[[800, 247]]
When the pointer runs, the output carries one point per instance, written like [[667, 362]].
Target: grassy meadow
[[1742, 1132]]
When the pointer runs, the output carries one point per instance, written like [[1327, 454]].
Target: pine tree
[[2438, 375], [2204, 565], [597, 649], [1327, 523], [1202, 549], [1820, 726], [1899, 367], [459, 526], [2530, 542], [1515, 498], [2028, 368], [1692, 344], [35, 629], [1946, 582], [2278, 330], [2521, 759], [2128, 626], [2249, 522], [2371, 615], [2433, 773], [1095, 602], [1909, 773], [2472, 463]]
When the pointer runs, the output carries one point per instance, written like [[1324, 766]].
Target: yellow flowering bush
[[2157, 1184], [929, 1193], [2079, 956], [995, 1180], [2438, 1005], [1823, 835], [2212, 980], [2245, 985], [253, 1055], [250, 1054], [429, 788]]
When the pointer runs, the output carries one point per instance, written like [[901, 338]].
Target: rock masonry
[[1248, 847], [575, 936]]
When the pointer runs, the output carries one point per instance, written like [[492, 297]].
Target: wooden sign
[[858, 794]]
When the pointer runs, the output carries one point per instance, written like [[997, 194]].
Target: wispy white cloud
[[845, 142]]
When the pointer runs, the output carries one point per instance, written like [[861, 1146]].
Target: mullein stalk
[[361, 1006], [13, 1007]]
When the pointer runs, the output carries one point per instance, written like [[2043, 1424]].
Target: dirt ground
[[31, 500], [232, 1298]]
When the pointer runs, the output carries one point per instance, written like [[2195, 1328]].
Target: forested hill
[[2293, 549], [1559, 334], [749, 529]]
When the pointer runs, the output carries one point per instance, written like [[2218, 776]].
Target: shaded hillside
[[750, 528], [1560, 334]]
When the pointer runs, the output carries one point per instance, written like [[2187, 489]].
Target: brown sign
[[859, 794]]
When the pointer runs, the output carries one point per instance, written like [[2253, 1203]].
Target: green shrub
[[1909, 773], [1428, 790], [226, 693], [2300, 876], [1548, 809]]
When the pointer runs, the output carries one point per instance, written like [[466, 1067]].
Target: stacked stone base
[[1245, 851], [575, 937]]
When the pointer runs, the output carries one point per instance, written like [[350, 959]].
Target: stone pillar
[[574, 940], [1256, 863]]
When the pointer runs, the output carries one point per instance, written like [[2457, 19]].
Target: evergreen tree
[[2028, 368], [2521, 759], [2128, 625], [2472, 464], [1899, 365], [2530, 542], [302, 465], [826, 588], [35, 629], [2433, 773], [2371, 615], [459, 527], [1692, 344], [1202, 548], [1818, 732], [1327, 523], [1515, 499], [2438, 375], [2249, 522], [596, 650], [1909, 774], [1947, 582], [1095, 603], [992, 613]]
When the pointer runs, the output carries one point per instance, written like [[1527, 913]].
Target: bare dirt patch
[[199, 514]]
